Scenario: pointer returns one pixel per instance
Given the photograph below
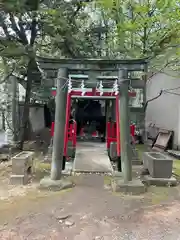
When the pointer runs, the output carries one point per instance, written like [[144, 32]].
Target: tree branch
[[79, 7], [152, 99], [21, 34], [33, 31], [69, 50], [22, 30]]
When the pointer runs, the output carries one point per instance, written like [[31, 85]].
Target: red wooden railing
[[71, 135], [113, 129], [112, 135]]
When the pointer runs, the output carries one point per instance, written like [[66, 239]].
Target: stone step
[[92, 157]]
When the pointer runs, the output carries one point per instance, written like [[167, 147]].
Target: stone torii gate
[[61, 69]]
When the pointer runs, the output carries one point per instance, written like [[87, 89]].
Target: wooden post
[[60, 117], [107, 113], [113, 110]]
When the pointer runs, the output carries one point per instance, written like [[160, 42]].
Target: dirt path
[[89, 212]]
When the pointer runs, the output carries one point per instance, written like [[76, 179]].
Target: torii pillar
[[126, 159], [126, 184], [54, 182]]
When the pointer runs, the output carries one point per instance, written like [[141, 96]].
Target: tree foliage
[[110, 28], [28, 28], [143, 28], [66, 30], [85, 28], [45, 27]]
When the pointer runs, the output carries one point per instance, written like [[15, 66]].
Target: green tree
[[18, 20], [31, 28], [143, 29]]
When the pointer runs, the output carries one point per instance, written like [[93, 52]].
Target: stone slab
[[19, 179], [134, 187], [136, 162], [92, 157], [55, 185], [174, 153], [22, 164], [147, 179], [117, 174]]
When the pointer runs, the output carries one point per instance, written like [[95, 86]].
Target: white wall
[[164, 111], [21, 93], [36, 116]]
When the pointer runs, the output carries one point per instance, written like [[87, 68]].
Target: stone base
[[147, 179], [66, 172], [19, 180], [55, 185], [4, 157], [136, 162], [117, 174], [29, 145], [134, 187]]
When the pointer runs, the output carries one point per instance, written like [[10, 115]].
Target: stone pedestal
[[158, 169], [55, 185], [22, 168], [169, 182], [134, 187]]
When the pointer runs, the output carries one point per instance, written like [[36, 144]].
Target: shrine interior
[[90, 116]]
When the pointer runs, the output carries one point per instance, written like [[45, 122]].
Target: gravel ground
[[89, 212]]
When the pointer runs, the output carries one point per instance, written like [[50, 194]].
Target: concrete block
[[19, 179], [148, 180], [22, 167], [113, 151], [55, 185], [134, 187], [136, 162], [158, 164]]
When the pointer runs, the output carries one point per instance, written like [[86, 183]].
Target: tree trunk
[[3, 120], [15, 119], [25, 116]]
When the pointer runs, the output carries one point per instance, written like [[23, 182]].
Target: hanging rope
[[83, 88], [115, 88], [69, 85], [100, 88]]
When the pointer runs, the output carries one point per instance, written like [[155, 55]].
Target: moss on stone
[[107, 180], [42, 166], [41, 169], [176, 167]]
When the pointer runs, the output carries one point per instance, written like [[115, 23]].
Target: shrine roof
[[96, 61], [92, 64]]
